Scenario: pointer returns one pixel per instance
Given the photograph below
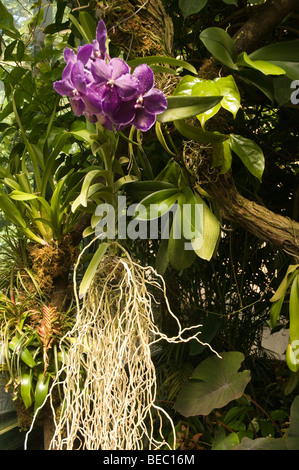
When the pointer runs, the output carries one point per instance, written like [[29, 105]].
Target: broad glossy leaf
[[262, 443], [220, 45], [222, 156], [224, 86], [92, 268], [214, 383], [163, 60], [162, 257], [26, 385], [179, 257], [88, 24], [266, 68], [183, 107], [292, 357], [22, 196], [192, 215], [191, 7], [157, 204], [250, 153], [294, 310], [16, 345], [41, 390], [275, 310], [285, 283], [205, 247], [138, 190], [198, 134], [207, 88], [284, 54]]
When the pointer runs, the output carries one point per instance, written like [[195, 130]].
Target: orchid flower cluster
[[105, 90]]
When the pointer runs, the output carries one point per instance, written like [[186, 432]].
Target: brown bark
[[263, 223], [262, 22]]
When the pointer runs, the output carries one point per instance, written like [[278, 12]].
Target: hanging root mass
[[108, 379]]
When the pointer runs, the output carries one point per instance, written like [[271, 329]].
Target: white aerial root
[[108, 378]]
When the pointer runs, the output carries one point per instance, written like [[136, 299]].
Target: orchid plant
[[104, 90]]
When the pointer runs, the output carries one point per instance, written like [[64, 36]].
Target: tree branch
[[266, 225], [262, 22]]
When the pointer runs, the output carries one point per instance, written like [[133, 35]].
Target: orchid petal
[[77, 76], [105, 121], [63, 87], [119, 67], [78, 106], [84, 53], [110, 100], [124, 113], [155, 101], [101, 35], [145, 76], [143, 120], [127, 87], [69, 55], [101, 71]]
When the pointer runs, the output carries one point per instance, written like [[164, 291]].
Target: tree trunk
[[257, 219], [262, 22]]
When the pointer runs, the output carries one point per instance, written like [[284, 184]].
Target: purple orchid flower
[[76, 80], [148, 102], [105, 91], [113, 82], [99, 44]]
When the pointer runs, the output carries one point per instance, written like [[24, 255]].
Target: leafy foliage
[[56, 167]]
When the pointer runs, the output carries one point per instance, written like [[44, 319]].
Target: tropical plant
[[197, 139]]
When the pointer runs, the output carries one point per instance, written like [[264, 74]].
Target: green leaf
[[228, 442], [275, 310], [92, 268], [163, 60], [266, 68], [214, 383], [16, 345], [41, 390], [162, 257], [292, 437], [262, 443], [179, 257], [191, 7], [182, 107], [199, 135], [91, 175], [22, 196], [7, 22], [224, 86], [157, 204], [250, 153], [141, 189], [284, 54], [222, 156], [192, 215], [88, 25], [256, 78], [205, 246], [220, 45], [294, 310], [80, 28], [161, 138], [26, 385], [286, 282]]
